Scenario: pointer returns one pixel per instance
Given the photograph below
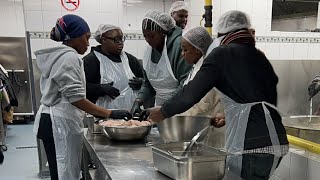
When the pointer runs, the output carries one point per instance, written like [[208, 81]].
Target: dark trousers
[[258, 166], [46, 135]]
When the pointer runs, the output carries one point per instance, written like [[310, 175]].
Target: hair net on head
[[102, 29], [231, 21], [165, 21], [199, 38], [178, 5]]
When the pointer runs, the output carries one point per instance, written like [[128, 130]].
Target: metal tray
[[202, 163]]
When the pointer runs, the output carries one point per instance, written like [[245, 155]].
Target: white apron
[[67, 129], [160, 75], [119, 74], [237, 116]]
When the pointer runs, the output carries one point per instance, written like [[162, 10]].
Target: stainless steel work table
[[122, 160]]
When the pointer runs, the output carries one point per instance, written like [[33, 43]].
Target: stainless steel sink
[[299, 126]]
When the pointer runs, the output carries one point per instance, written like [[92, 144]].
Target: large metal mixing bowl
[[299, 126], [126, 133], [181, 128]]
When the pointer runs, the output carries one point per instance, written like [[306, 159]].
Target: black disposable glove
[[136, 110], [144, 115], [109, 90], [120, 114], [135, 83], [313, 88]]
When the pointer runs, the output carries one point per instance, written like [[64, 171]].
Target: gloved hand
[[135, 83], [120, 114], [313, 88], [144, 115], [136, 110], [109, 90]]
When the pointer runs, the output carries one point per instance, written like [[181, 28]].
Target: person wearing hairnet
[[247, 84], [195, 43], [113, 76], [165, 71], [58, 122], [179, 12]]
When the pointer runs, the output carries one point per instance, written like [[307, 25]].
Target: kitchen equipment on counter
[[126, 133], [202, 163], [93, 127], [299, 126], [181, 128], [199, 136]]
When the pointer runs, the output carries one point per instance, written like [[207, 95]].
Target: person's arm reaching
[[207, 77]]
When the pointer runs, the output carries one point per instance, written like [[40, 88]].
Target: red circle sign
[[70, 5]]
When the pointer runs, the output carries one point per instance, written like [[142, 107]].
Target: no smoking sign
[[70, 5]]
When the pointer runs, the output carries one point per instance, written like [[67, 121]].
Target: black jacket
[[92, 71], [245, 75]]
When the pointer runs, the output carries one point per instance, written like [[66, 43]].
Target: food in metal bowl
[[130, 123], [125, 130]]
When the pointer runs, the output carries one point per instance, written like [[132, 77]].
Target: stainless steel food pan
[[203, 163]]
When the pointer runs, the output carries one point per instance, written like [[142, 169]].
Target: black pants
[[258, 166], [46, 135]]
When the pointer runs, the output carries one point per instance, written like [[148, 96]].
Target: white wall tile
[[313, 51], [194, 21], [50, 19], [272, 51], [32, 5], [245, 5], [197, 7], [90, 6], [286, 51], [228, 5], [51, 5], [48, 43], [19, 19], [261, 46], [34, 21], [130, 46], [298, 167], [141, 46], [109, 5], [36, 44], [216, 11], [269, 8], [259, 8], [301, 51], [259, 25]]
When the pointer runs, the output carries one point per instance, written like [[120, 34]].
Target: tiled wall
[[11, 18], [41, 15]]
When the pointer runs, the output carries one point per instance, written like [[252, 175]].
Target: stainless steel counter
[[121, 160]]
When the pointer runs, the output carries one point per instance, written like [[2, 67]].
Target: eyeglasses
[[117, 39]]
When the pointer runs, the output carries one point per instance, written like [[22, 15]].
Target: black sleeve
[[92, 71], [207, 77], [135, 66]]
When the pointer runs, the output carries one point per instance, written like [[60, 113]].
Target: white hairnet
[[102, 29], [162, 19], [199, 38], [231, 21], [178, 5]]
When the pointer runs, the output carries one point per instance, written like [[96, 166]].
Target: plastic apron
[[237, 116], [67, 127], [119, 74], [160, 75]]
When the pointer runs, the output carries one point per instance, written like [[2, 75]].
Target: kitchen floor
[[21, 158]]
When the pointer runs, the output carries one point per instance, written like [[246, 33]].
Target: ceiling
[[293, 8]]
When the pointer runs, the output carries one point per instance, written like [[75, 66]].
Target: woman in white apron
[[165, 71], [58, 122], [113, 76], [195, 43], [247, 83]]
